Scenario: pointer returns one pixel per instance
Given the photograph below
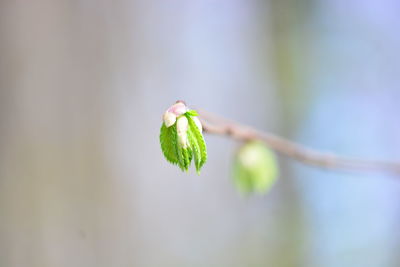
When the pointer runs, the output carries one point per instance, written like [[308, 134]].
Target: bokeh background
[[83, 85]]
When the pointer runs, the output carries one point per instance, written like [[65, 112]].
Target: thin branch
[[214, 124]]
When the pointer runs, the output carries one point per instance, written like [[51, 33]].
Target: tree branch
[[214, 124]]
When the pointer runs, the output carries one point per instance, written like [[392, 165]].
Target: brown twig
[[214, 124]]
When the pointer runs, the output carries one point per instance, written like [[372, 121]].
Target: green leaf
[[197, 143], [168, 141], [192, 112], [184, 158], [196, 149], [255, 168]]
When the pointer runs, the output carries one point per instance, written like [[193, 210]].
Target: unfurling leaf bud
[[181, 137]]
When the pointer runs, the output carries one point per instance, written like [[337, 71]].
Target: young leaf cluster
[[182, 155]]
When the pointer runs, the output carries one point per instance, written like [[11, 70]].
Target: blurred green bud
[[255, 168]]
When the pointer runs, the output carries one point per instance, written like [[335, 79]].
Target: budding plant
[[255, 169], [181, 139]]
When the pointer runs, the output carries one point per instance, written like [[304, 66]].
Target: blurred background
[[83, 85]]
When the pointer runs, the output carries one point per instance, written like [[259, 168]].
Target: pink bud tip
[[178, 109]]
